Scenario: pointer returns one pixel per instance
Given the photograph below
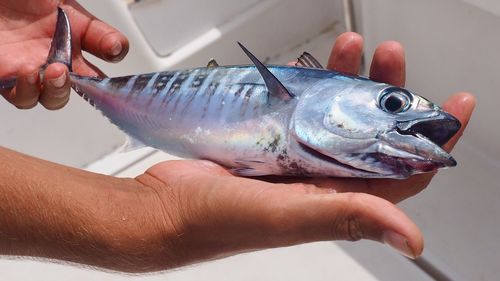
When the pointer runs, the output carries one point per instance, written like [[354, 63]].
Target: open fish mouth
[[424, 139], [411, 148], [439, 129], [378, 165]]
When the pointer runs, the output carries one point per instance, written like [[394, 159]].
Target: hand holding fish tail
[[25, 34]]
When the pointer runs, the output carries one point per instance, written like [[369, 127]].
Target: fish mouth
[[378, 164], [439, 129], [412, 147], [423, 139]]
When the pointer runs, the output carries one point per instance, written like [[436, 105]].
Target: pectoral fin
[[131, 144]]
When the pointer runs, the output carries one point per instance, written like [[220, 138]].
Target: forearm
[[52, 211]]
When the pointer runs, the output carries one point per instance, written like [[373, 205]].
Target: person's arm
[[175, 214], [52, 211]]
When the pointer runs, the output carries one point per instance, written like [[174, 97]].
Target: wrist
[[132, 229]]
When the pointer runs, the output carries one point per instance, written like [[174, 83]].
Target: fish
[[259, 120]]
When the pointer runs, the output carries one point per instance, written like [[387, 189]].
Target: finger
[[25, 94], [346, 53], [355, 216], [388, 64], [253, 216], [83, 67], [56, 87], [104, 41], [461, 106], [99, 38]]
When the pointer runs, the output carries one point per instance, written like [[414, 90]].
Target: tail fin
[[60, 50]]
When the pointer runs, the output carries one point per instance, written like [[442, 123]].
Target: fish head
[[369, 129]]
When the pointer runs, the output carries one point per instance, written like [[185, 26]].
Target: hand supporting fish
[[259, 120]]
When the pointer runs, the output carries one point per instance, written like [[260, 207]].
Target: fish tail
[[61, 47], [60, 50]]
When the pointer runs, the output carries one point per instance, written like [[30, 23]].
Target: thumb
[[352, 217], [223, 215], [242, 214]]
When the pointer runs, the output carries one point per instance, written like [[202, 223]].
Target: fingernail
[[31, 78], [399, 243], [116, 49], [59, 81]]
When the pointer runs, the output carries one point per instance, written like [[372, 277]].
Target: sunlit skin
[[182, 212]]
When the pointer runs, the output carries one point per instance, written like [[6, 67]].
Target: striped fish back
[[222, 94]]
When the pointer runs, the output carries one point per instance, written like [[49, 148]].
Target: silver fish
[[273, 120]]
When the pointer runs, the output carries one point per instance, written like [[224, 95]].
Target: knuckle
[[348, 225], [349, 228]]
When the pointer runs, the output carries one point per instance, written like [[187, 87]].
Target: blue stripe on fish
[[166, 90]]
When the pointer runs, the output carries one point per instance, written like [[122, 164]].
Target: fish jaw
[[391, 155], [397, 153], [422, 139], [388, 157]]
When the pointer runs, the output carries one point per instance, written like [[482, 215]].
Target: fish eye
[[395, 100]]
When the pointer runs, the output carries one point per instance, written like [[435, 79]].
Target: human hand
[[209, 213], [26, 31]]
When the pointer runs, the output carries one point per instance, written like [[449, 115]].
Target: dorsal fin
[[274, 86], [212, 63], [308, 60]]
